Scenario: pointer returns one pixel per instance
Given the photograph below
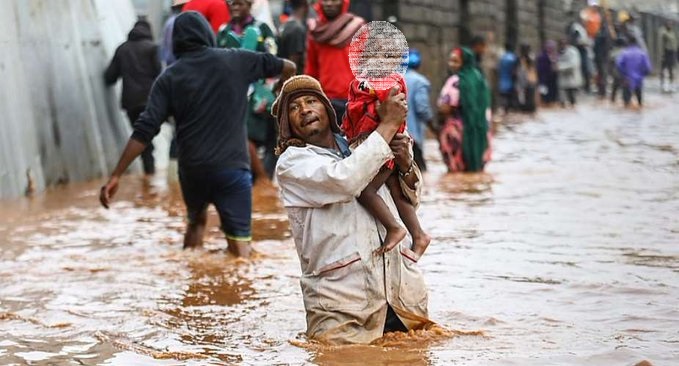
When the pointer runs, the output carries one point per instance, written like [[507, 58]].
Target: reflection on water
[[563, 252]]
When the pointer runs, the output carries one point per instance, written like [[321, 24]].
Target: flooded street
[[565, 252]]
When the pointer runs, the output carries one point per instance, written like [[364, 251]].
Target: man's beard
[[314, 132]]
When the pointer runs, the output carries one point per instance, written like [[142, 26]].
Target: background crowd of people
[[485, 82], [600, 52]]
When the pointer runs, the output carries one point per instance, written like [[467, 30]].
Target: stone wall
[[436, 26], [431, 27]]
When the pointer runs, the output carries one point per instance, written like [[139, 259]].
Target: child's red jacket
[[361, 117]]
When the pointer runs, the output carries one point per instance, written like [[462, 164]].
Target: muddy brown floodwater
[[565, 252]]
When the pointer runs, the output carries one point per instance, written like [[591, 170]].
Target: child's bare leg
[[407, 212], [379, 209]]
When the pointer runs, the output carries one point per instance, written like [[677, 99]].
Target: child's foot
[[394, 236], [420, 243]]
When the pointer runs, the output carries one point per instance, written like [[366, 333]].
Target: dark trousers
[[627, 95], [419, 157], [529, 99], [393, 323], [174, 154], [601, 78], [617, 83], [147, 154], [270, 158], [569, 95], [668, 61], [584, 68], [508, 100]]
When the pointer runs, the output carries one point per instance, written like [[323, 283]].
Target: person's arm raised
[[289, 70], [311, 180]]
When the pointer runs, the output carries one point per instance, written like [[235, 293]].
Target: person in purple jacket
[[633, 64]]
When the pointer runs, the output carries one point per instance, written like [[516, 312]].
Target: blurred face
[[455, 61], [562, 45], [239, 9], [479, 48], [380, 63], [331, 8], [308, 118]]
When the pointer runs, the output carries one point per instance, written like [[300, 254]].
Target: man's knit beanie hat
[[292, 89]]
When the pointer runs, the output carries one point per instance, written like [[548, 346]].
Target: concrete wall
[[59, 123]]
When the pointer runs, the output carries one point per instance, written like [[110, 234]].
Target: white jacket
[[570, 73], [345, 286]]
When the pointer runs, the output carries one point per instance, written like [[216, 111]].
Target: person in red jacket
[[328, 50], [215, 11]]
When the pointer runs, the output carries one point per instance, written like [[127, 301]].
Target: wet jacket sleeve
[[147, 126], [259, 65], [112, 72], [422, 106], [308, 179], [413, 194]]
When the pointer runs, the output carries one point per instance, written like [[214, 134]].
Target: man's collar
[[342, 144]]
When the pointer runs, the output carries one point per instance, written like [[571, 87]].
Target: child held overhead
[[379, 58]]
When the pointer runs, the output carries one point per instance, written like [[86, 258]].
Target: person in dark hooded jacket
[[137, 62], [206, 92]]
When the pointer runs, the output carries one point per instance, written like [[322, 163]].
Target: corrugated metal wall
[[58, 121]]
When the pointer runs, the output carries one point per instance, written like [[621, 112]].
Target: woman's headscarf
[[474, 101], [551, 49], [546, 61]]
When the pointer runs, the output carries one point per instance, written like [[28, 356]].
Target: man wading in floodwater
[[350, 294], [206, 91]]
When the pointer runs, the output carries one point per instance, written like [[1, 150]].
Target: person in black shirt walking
[[137, 62], [206, 91]]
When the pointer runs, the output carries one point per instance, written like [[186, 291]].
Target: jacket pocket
[[409, 254], [412, 291], [343, 284]]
